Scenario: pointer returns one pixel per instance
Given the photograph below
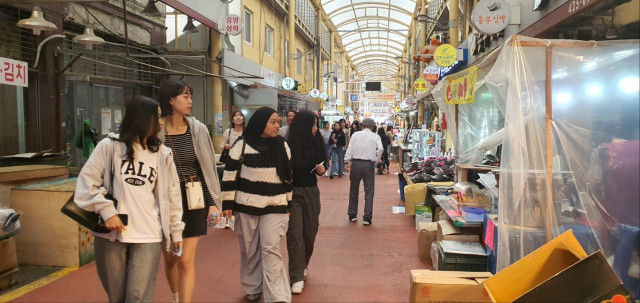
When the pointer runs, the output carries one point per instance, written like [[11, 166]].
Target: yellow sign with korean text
[[445, 55], [303, 89], [461, 87], [420, 84]]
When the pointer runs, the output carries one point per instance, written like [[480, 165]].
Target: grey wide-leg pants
[[365, 171], [127, 270], [303, 228], [262, 267]]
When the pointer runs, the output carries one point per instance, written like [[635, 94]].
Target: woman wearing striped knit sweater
[[259, 198]]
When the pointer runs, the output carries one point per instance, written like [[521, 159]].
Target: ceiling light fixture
[[151, 10], [189, 27], [88, 38], [37, 22]]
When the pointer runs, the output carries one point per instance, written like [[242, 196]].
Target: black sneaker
[[330, 176], [366, 222], [353, 219]]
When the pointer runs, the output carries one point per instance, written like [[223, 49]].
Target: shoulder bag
[[90, 219], [225, 152], [193, 186]]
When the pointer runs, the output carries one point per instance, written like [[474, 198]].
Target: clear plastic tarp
[[593, 168], [480, 123]]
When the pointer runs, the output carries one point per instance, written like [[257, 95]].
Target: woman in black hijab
[[308, 152], [256, 190]]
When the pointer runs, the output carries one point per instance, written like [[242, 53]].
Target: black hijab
[[272, 147]]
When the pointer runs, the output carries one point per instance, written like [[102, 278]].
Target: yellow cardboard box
[[414, 194], [537, 267], [448, 286], [448, 231]]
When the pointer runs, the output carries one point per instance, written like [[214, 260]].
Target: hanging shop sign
[[303, 89], [288, 83], [324, 96], [461, 87], [431, 73], [445, 55], [13, 72], [420, 84], [317, 100], [232, 25], [314, 93], [378, 97], [491, 16]]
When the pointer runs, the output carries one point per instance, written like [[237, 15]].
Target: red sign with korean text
[[13, 72]]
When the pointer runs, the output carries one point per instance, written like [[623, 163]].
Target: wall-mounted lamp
[[189, 27], [88, 38], [37, 22], [151, 10]]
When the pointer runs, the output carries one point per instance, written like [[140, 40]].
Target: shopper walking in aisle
[[386, 142], [257, 189], [355, 126], [235, 130], [194, 157], [326, 135], [338, 140], [363, 152], [138, 171], [284, 131], [308, 152]]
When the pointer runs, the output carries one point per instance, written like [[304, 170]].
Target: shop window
[[268, 40], [248, 23]]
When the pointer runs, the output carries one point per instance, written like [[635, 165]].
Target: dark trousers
[[365, 171], [303, 228]]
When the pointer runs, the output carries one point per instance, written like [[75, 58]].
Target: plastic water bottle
[[211, 221]]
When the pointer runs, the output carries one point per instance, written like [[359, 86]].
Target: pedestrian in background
[[142, 178], [236, 127], [193, 154], [338, 140], [257, 189], [284, 131], [307, 153], [386, 142], [363, 152], [326, 135]]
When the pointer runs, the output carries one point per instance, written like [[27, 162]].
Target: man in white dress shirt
[[284, 131], [364, 151]]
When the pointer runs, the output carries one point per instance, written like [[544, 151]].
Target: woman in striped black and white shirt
[[256, 189]]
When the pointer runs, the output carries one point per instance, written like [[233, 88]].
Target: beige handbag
[[193, 187], [195, 195]]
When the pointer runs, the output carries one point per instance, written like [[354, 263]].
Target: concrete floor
[[351, 262]]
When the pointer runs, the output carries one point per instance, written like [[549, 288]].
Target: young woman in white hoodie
[[140, 174]]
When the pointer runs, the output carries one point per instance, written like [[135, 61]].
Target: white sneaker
[[297, 287], [306, 270]]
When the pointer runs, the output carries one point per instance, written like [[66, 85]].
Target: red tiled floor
[[351, 262]]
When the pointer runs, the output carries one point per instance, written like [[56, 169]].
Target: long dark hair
[[357, 124], [381, 133], [306, 149], [244, 121], [170, 89], [140, 121]]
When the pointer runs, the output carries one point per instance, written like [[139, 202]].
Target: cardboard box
[[427, 233], [423, 214], [448, 231], [537, 267], [448, 286], [589, 280]]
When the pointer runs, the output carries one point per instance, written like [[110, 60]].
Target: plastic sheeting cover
[[594, 91]]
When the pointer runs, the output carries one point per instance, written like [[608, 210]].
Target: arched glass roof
[[373, 32]]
